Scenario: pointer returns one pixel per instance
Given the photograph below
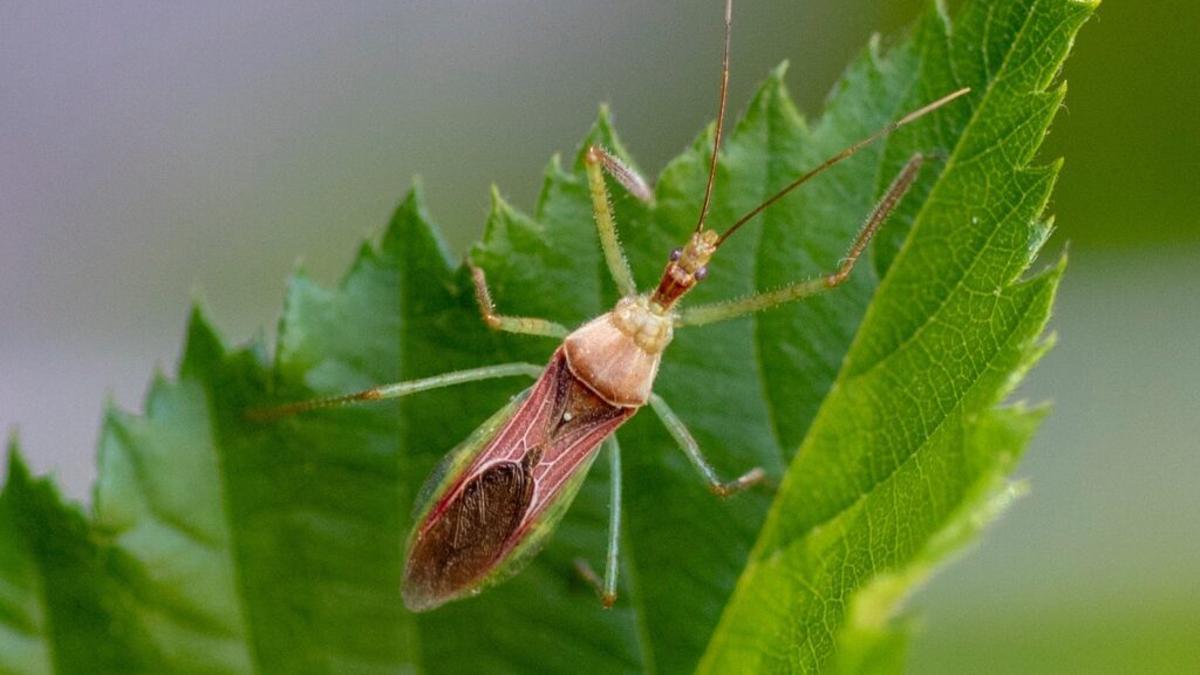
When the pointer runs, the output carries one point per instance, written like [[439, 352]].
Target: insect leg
[[692, 449], [510, 324], [722, 311], [396, 390], [624, 174], [607, 588], [594, 160]]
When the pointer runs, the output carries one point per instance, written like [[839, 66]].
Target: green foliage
[[220, 545]]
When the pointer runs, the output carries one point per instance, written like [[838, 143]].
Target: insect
[[493, 501]]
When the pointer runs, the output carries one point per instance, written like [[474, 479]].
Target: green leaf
[[222, 545], [64, 603], [909, 443]]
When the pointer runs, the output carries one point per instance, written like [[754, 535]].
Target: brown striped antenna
[[724, 96], [847, 153]]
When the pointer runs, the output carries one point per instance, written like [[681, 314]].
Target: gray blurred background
[[154, 153]]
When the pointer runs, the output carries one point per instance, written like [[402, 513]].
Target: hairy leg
[[396, 390], [596, 160], [691, 448], [606, 588], [510, 324]]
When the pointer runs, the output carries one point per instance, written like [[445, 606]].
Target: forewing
[[484, 524], [462, 544]]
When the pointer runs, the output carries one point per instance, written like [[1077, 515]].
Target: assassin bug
[[494, 500]]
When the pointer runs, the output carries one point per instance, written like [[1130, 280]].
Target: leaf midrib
[[236, 553]]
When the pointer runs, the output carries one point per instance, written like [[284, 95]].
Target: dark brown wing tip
[[420, 599], [418, 594]]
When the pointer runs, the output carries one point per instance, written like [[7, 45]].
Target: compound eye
[[676, 255], [702, 273]]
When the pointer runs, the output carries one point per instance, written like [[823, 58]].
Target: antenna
[[712, 164], [844, 154]]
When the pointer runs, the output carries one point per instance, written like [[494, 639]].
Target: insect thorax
[[648, 326], [617, 354]]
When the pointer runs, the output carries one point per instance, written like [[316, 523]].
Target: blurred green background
[[147, 151]]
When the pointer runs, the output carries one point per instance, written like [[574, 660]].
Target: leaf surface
[[225, 546]]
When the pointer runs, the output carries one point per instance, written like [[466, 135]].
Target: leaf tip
[[411, 234], [409, 211], [18, 469], [774, 84], [496, 203], [554, 166], [416, 188], [499, 219], [1062, 259], [202, 345], [1049, 341], [12, 444]]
